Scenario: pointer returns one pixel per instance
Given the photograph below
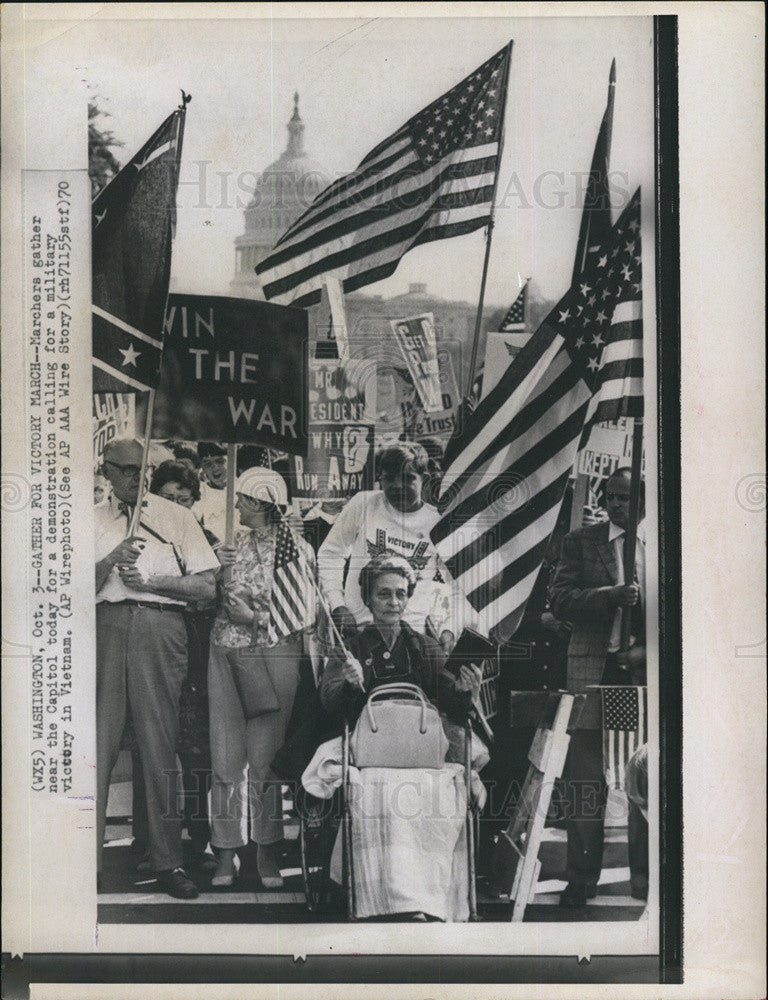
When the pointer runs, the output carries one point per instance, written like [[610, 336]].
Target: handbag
[[401, 731], [253, 681]]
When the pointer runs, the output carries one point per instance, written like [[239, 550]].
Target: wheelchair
[[322, 821]]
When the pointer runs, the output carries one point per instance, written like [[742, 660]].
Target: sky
[[359, 80]]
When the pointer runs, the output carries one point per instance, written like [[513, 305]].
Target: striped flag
[[432, 179], [625, 725], [514, 320], [291, 602], [506, 473], [134, 219]]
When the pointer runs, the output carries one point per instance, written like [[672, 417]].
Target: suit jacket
[[578, 595]]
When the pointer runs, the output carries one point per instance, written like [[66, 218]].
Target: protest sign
[[113, 416], [233, 370], [339, 458], [419, 423], [416, 339], [609, 448]]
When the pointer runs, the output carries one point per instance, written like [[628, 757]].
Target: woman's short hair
[[209, 449], [175, 472], [394, 458], [381, 565], [183, 453]]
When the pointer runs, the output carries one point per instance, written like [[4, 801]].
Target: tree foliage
[[102, 163]]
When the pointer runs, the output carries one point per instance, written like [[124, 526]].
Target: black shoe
[[204, 860], [576, 894], [178, 884]]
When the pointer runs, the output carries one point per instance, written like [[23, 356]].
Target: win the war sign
[[233, 370]]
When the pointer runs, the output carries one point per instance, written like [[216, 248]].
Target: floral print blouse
[[251, 578]]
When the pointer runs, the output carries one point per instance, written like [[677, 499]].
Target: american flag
[[291, 602], [432, 179], [625, 724], [514, 321], [507, 471], [134, 219]]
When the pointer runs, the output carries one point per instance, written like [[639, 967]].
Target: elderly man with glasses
[[143, 583]]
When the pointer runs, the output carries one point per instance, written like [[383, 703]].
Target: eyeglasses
[[125, 470], [183, 499], [623, 497]]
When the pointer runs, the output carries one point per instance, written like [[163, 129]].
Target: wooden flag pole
[[229, 522], [630, 535], [489, 233], [136, 517], [133, 527]]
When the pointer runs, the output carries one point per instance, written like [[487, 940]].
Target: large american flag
[[625, 715], [433, 178], [291, 602], [507, 471], [133, 225]]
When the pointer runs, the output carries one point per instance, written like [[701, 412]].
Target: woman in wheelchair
[[408, 854], [389, 651]]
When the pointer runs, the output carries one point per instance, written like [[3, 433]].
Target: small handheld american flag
[[292, 602], [624, 729]]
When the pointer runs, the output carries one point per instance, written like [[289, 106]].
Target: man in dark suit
[[588, 591]]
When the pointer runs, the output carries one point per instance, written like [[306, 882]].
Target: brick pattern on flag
[[514, 320], [625, 729], [292, 599], [506, 473], [432, 179], [133, 222]]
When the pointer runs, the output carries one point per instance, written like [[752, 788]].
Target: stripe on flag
[[507, 472], [291, 602], [432, 179]]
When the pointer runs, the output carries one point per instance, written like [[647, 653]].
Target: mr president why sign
[[233, 370]]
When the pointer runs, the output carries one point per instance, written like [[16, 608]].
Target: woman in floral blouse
[[242, 748]]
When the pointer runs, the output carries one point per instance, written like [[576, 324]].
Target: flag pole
[[630, 535], [136, 516], [229, 521], [133, 527], [489, 231]]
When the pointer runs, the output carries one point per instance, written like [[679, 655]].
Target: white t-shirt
[[182, 551], [368, 526], [211, 510]]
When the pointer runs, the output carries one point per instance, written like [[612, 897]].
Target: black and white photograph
[[350, 614]]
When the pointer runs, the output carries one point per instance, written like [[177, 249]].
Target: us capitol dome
[[283, 191]]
